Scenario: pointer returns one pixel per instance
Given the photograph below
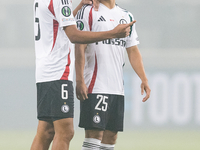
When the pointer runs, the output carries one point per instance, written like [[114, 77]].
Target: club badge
[[65, 108], [66, 11], [122, 21], [96, 119], [80, 25]]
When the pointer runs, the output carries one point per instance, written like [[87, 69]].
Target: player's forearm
[[85, 37], [79, 62], [135, 59], [139, 69]]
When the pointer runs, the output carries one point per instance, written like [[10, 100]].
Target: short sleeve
[[82, 18], [64, 12], [132, 39]]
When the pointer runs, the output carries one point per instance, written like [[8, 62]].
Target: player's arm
[[135, 59], [85, 37], [81, 88], [83, 2]]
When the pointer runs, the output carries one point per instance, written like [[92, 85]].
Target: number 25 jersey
[[104, 60]]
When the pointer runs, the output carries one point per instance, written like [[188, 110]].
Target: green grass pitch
[[128, 140]]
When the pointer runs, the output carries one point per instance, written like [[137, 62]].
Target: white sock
[[106, 147], [91, 144]]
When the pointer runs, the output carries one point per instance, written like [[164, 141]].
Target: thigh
[[102, 111], [116, 114], [93, 112], [55, 100]]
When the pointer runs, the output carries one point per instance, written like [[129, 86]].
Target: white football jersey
[[104, 60], [54, 51]]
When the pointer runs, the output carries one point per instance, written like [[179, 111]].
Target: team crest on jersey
[[65, 108], [96, 119], [122, 21], [80, 25], [66, 11]]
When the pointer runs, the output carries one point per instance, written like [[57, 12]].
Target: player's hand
[[96, 4], [85, 2], [122, 30], [81, 91], [145, 87]]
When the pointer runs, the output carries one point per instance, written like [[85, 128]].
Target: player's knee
[[67, 135], [109, 138], [70, 135], [49, 134], [46, 135], [95, 134]]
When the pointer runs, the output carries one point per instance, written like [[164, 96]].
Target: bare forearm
[[91, 37], [139, 69], [79, 62], [135, 59], [85, 37]]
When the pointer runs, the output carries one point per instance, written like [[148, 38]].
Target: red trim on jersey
[[51, 7], [91, 86], [55, 32], [67, 69], [90, 19]]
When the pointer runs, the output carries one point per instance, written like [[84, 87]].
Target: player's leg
[[93, 121], [56, 103], [62, 110], [44, 136], [92, 139], [115, 122], [108, 140], [64, 132]]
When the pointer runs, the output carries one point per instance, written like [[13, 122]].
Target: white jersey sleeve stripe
[[94, 76], [81, 12]]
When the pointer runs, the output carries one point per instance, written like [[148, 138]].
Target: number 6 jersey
[[54, 52], [104, 60]]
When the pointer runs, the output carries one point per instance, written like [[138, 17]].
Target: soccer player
[[99, 74], [55, 31]]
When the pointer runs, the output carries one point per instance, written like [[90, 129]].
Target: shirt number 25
[[102, 105]]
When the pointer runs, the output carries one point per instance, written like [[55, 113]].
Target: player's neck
[[109, 3]]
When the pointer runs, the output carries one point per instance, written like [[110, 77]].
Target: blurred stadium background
[[169, 33]]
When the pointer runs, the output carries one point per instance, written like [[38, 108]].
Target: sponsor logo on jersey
[[96, 119], [117, 42], [66, 11], [101, 19], [65, 108], [67, 19], [122, 21], [80, 25]]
